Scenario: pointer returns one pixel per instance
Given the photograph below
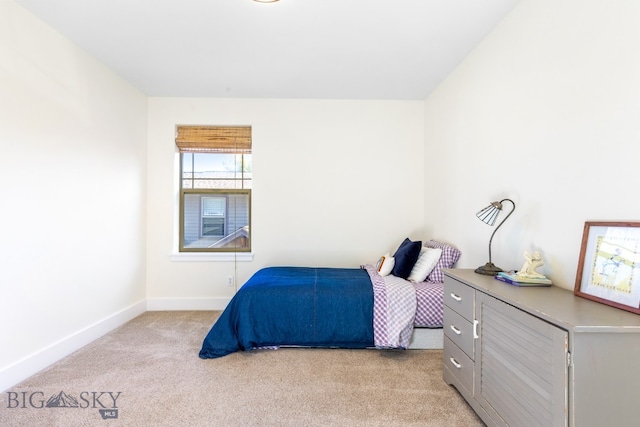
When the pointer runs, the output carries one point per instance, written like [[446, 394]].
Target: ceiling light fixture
[[265, 1]]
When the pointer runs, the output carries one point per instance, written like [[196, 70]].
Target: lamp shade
[[489, 214]]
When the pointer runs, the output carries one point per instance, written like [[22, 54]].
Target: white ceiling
[[331, 49]]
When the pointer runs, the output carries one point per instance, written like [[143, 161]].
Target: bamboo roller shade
[[213, 139]]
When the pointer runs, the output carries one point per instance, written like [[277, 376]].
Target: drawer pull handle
[[455, 363], [475, 329], [456, 297], [456, 330]]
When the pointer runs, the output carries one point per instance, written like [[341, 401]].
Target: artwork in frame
[[609, 264]]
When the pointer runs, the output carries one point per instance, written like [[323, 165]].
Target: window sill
[[212, 257]]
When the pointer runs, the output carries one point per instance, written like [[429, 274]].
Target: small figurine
[[529, 267]]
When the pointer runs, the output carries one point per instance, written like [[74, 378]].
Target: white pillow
[[385, 264], [427, 260]]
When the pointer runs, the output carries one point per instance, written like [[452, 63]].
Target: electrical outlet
[[230, 281]]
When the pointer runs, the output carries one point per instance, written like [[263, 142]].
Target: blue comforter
[[296, 306]]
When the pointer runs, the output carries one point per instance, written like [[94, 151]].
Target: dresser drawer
[[459, 330], [459, 297], [459, 365]]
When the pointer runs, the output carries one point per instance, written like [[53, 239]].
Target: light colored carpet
[[153, 363]]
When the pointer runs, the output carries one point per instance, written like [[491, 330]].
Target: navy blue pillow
[[406, 257]]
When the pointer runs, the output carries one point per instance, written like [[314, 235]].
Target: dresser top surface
[[553, 304]]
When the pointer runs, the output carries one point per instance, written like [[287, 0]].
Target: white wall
[[335, 183], [545, 111], [72, 180]]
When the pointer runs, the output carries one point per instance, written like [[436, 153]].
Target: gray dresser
[[539, 356]]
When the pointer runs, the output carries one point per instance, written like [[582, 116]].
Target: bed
[[373, 306]]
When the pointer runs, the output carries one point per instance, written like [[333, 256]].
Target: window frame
[[194, 139]]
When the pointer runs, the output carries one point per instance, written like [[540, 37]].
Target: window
[[213, 216], [215, 188]]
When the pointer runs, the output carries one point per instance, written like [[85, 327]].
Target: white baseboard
[[173, 304], [30, 365]]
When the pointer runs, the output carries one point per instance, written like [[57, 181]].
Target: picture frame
[[609, 264]]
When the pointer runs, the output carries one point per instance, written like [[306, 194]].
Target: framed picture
[[609, 264]]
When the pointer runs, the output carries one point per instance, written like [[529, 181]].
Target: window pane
[[212, 226], [216, 220], [216, 170], [187, 161], [213, 206]]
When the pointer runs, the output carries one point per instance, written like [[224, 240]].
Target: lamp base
[[489, 269]]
